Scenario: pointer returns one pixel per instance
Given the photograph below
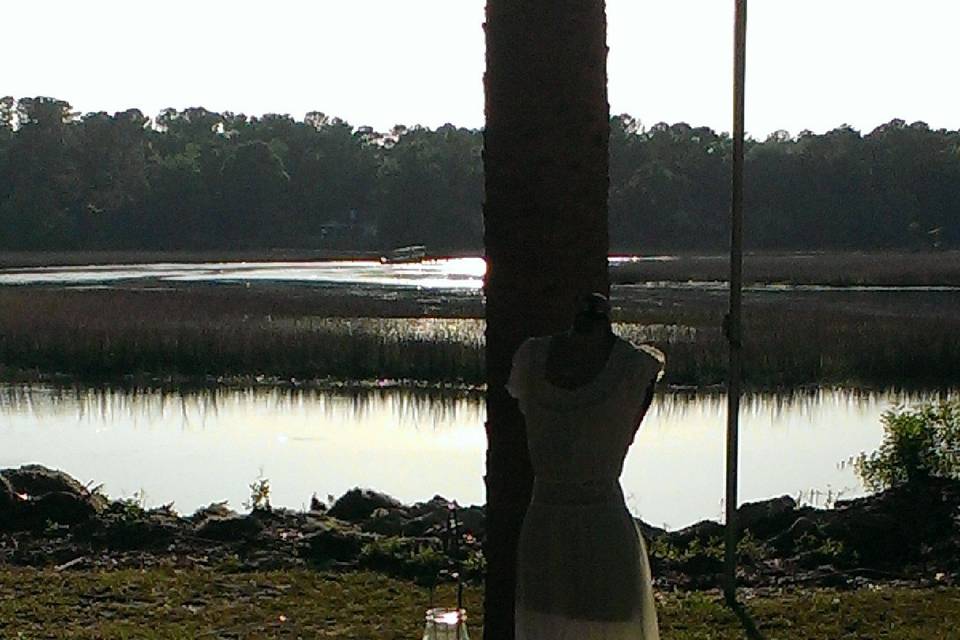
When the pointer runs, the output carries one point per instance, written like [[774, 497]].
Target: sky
[[812, 64]]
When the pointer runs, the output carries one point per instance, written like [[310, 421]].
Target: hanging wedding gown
[[583, 572]]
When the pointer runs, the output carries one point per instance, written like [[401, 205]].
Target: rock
[[429, 524], [474, 520], [701, 564], [787, 540], [430, 519], [823, 575], [266, 560], [436, 504], [767, 517], [649, 531], [213, 510], [230, 528], [388, 522], [701, 581], [125, 526], [33, 495], [357, 504], [146, 533], [7, 497], [36, 480], [335, 541], [278, 516], [811, 559], [60, 507], [701, 531], [894, 526], [9, 505]]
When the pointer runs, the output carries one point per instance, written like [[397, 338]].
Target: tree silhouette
[[546, 166], [126, 181]]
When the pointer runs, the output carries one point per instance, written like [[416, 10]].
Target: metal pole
[[734, 329]]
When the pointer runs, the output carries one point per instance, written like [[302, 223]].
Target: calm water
[[456, 274], [195, 449], [464, 275]]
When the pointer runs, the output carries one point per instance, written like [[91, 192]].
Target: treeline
[[896, 187], [196, 179]]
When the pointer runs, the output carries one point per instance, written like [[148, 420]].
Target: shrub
[[918, 444], [259, 494], [404, 557]]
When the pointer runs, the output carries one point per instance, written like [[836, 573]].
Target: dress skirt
[[583, 571]]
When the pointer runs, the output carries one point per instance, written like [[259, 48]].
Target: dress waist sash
[[604, 491]]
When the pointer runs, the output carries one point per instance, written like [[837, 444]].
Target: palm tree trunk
[[546, 170]]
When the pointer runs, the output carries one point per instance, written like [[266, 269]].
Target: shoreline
[[189, 385], [37, 259], [823, 267], [904, 535]]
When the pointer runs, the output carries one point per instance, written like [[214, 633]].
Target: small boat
[[413, 253]]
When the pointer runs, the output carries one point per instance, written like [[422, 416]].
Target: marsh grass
[[189, 603], [111, 334], [211, 334], [835, 269]]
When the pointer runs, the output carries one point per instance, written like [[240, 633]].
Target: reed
[[104, 335], [892, 268], [208, 334]]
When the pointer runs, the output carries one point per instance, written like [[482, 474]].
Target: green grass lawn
[[202, 603]]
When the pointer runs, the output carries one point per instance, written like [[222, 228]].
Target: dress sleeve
[[647, 371], [519, 372], [651, 365]]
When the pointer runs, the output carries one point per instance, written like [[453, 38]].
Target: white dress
[[583, 572]]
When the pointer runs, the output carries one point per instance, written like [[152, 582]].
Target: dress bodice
[[582, 435]]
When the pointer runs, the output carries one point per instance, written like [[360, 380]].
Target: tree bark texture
[[546, 162]]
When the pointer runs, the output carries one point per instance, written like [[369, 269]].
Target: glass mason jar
[[446, 624]]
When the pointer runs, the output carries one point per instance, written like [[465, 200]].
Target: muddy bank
[[47, 519]]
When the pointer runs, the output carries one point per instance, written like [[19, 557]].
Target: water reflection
[[802, 400], [196, 447], [413, 408], [458, 273], [463, 275]]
